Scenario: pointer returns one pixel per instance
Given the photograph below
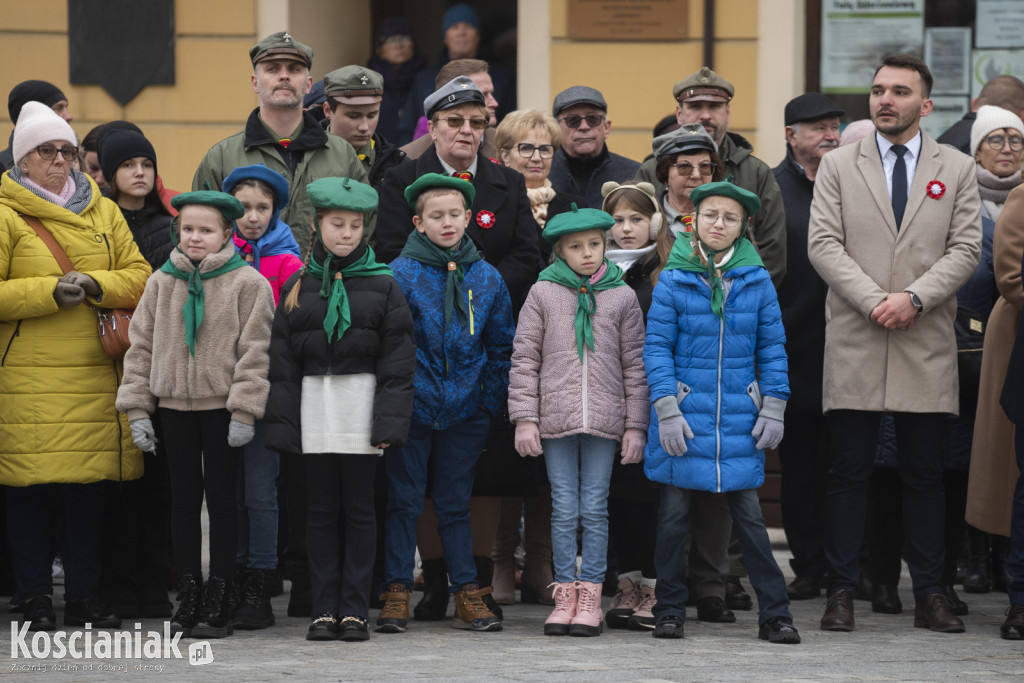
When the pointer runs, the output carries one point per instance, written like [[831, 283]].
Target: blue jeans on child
[[670, 554], [452, 455], [580, 470], [257, 503]]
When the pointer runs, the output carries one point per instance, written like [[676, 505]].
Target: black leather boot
[[215, 615], [484, 572], [434, 603], [979, 563], [190, 596], [254, 611]]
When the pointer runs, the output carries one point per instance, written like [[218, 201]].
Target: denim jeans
[[452, 455], [257, 503], [580, 470], [1015, 562], [670, 555]]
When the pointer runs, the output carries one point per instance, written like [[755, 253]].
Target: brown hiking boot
[[471, 612], [394, 615]]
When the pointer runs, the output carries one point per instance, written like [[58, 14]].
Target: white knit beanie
[[38, 124], [992, 118]]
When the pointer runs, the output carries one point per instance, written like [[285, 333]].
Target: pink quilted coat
[[604, 394]]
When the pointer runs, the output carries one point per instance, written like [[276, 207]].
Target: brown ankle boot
[[471, 612], [537, 572], [394, 615], [503, 553]]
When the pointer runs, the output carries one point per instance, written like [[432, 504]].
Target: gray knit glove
[[240, 433], [68, 295], [143, 434], [768, 432], [672, 428]]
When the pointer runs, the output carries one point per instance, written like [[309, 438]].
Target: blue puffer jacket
[[712, 365], [465, 367]]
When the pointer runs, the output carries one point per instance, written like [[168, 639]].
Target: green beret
[[228, 206], [724, 188], [343, 194], [428, 181], [576, 220]]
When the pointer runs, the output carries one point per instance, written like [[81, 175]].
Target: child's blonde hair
[[433, 192]]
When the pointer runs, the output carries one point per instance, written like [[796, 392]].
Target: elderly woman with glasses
[[60, 434], [527, 140], [997, 138], [503, 229]]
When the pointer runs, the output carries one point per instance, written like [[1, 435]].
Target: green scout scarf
[[685, 257], [332, 288], [193, 308], [419, 248], [560, 273]]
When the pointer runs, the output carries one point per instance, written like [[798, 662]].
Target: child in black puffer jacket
[[343, 358]]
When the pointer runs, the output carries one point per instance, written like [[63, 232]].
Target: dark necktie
[[899, 184]]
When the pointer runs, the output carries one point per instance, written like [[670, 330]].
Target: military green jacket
[[313, 154]]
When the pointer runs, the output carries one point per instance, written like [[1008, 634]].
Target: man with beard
[[703, 97], [812, 130], [895, 230], [281, 136]]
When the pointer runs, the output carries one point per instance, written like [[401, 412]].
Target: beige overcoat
[[854, 245], [993, 462]]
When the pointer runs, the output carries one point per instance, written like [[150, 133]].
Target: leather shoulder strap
[[47, 237]]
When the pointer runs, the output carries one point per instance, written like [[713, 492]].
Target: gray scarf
[[79, 199], [996, 189]]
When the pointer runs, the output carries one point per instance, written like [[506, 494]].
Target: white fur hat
[[992, 118], [38, 124]]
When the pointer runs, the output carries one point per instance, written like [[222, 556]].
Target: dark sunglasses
[[574, 120], [457, 121]]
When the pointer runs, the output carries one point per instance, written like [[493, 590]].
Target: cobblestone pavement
[[883, 648]]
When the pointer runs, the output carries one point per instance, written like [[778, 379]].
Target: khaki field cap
[[354, 84], [703, 85], [281, 45]]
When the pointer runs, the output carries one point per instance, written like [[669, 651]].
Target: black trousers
[[137, 533], [340, 490], [919, 439], [199, 460], [295, 556], [30, 517], [804, 455]]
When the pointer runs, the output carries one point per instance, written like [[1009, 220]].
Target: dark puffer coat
[[151, 230], [379, 341]]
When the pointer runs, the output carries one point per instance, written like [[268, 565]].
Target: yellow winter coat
[[58, 423]]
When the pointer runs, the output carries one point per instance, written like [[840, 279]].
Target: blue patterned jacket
[[465, 367]]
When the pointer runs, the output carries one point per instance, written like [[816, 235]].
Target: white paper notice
[[947, 52], [1000, 23], [858, 34]]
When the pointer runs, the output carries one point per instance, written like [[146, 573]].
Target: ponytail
[[291, 302]]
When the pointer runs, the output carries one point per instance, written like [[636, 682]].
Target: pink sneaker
[[557, 623], [587, 621], [626, 599]]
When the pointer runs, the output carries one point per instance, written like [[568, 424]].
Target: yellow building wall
[[636, 78], [212, 95]]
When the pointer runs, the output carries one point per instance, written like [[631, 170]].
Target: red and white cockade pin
[[485, 219], [936, 189]]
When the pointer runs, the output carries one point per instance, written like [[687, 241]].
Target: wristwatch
[[916, 301]]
